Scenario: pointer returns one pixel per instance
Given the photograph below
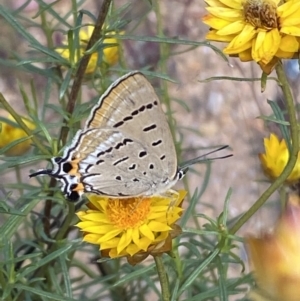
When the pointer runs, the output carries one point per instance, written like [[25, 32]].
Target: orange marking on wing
[[74, 170], [79, 187]]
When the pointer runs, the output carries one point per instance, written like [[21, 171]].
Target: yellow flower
[[11, 133], [110, 54], [259, 30], [275, 257], [133, 226], [276, 157]]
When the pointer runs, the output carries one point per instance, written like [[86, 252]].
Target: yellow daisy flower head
[[110, 54], [259, 30], [275, 256], [276, 157], [133, 227], [10, 133]]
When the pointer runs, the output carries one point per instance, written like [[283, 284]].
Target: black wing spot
[[104, 152], [126, 140], [149, 128], [155, 143], [119, 145], [151, 166], [116, 125], [142, 154], [132, 167], [135, 112], [100, 154], [99, 162], [119, 178], [67, 167], [162, 157], [120, 161], [144, 173], [149, 106], [88, 167], [57, 159], [142, 108], [155, 103], [135, 180], [127, 118]]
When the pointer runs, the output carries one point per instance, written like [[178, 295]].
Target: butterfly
[[125, 148]]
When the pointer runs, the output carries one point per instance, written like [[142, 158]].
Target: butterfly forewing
[[125, 148], [132, 107]]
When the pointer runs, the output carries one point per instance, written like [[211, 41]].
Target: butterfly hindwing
[[114, 164]]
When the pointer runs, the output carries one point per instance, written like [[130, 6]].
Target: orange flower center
[[128, 213], [261, 13]]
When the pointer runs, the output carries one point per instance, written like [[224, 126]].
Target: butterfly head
[[65, 172]]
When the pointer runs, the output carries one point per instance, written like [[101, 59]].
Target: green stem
[[19, 178], [4, 283], [293, 155], [96, 35], [47, 30], [283, 194], [74, 10], [64, 229], [163, 279], [178, 262]]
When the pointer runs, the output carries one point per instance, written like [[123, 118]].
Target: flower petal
[[146, 231], [125, 240], [158, 227], [110, 235]]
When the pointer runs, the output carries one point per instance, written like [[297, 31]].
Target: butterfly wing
[[114, 164], [131, 106], [125, 149]]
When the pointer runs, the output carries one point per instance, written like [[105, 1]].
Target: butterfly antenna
[[41, 173], [201, 159]]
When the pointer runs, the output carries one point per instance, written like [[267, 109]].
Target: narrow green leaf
[[54, 255], [42, 293], [190, 209], [222, 280], [189, 281], [66, 276], [66, 83], [225, 208], [48, 8], [14, 221], [134, 275]]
